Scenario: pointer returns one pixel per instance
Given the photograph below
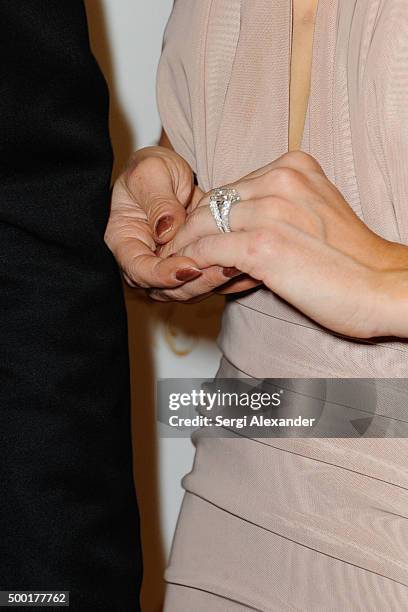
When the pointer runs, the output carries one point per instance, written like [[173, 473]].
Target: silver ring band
[[221, 201]]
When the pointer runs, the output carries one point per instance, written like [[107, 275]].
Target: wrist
[[390, 296], [391, 256]]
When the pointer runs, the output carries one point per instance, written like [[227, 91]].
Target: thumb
[[166, 217], [162, 183]]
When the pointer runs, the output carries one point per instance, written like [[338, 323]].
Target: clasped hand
[[292, 231]]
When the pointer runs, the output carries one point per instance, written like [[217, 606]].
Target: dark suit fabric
[[68, 515]]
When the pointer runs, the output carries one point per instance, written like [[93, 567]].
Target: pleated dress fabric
[[300, 524]]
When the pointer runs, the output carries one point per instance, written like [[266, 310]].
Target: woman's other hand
[[148, 206], [294, 232]]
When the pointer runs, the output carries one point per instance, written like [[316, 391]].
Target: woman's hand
[[294, 232], [148, 206]]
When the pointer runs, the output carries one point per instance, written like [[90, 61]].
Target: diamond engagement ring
[[221, 200]]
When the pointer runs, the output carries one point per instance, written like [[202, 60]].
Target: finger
[[248, 215], [246, 251], [131, 242], [211, 279], [161, 183], [279, 178], [147, 270], [199, 223], [142, 268], [166, 215], [279, 182]]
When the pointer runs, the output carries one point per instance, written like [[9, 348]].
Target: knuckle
[[195, 219], [212, 278], [295, 156], [146, 166], [267, 243], [136, 269], [285, 177], [167, 249], [261, 244], [113, 232], [257, 254], [108, 239], [291, 175], [302, 159], [120, 252], [131, 282], [157, 202], [281, 210], [276, 206], [201, 247], [157, 273]]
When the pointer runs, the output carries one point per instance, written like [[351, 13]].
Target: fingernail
[[188, 274], [231, 272], [163, 225]]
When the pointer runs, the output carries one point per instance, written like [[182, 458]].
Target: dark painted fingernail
[[231, 272], [187, 274], [164, 225]]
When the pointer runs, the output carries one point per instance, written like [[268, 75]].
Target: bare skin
[[303, 20], [285, 230]]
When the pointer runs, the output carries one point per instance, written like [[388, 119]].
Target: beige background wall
[[165, 340]]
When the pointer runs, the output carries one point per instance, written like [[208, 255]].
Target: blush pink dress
[[301, 524]]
